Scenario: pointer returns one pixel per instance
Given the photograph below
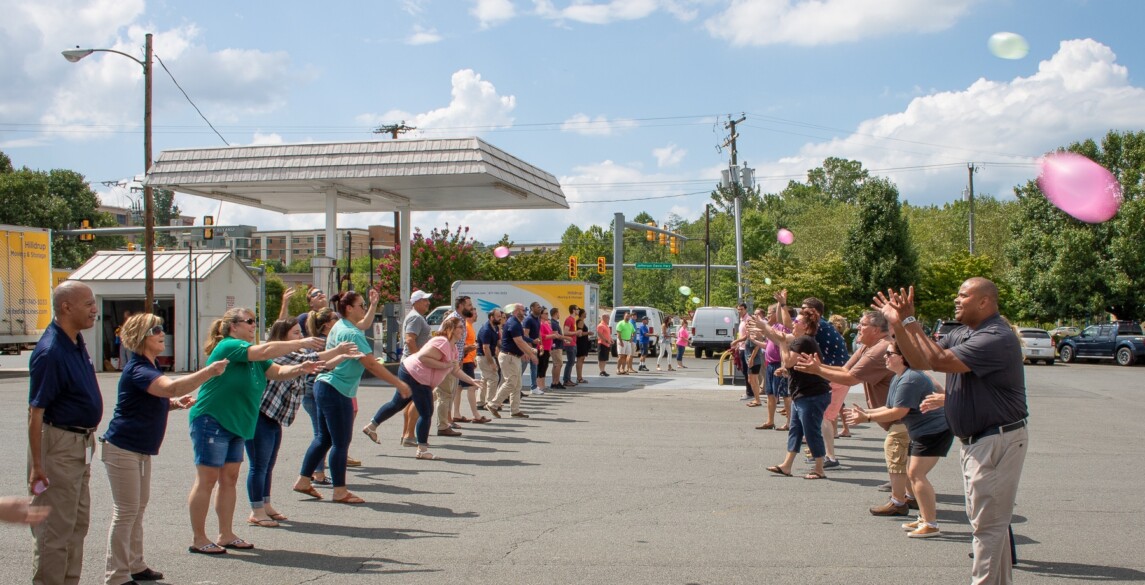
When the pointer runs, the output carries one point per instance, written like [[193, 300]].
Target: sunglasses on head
[[156, 330], [247, 321], [315, 293]]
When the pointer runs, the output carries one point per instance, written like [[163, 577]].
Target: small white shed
[[192, 289]]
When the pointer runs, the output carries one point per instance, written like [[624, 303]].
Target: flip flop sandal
[[814, 475], [752, 404], [349, 498], [263, 523], [784, 428], [372, 434], [481, 420], [310, 491], [207, 549], [426, 455], [776, 470], [239, 544], [765, 426], [278, 517]]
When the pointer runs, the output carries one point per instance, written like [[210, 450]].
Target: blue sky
[[623, 101]]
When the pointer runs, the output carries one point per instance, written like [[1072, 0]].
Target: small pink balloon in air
[[727, 319], [1080, 187], [501, 252], [785, 237]]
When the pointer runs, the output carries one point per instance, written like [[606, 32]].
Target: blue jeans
[[335, 419], [532, 372], [312, 410], [680, 353], [262, 451], [570, 361], [422, 398], [808, 422]]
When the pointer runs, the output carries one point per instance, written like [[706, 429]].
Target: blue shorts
[[775, 385], [213, 444]]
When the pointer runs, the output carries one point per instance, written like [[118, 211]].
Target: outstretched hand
[[808, 362], [933, 402], [895, 306], [781, 297]]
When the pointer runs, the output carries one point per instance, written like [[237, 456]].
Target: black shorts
[[470, 370], [755, 368], [602, 353], [935, 445]]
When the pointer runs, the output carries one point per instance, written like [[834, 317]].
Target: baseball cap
[[419, 295]]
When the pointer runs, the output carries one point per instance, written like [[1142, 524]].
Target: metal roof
[[427, 175], [120, 266]]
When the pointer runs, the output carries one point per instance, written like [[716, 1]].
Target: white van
[[655, 323], [713, 330]]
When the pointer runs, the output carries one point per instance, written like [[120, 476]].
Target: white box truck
[[490, 294]]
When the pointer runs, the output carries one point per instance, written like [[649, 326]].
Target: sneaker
[[537, 392], [520, 415], [642, 369], [604, 374], [447, 432], [829, 463], [745, 397], [924, 531], [911, 526], [351, 462], [657, 368], [557, 387], [372, 432], [890, 509]]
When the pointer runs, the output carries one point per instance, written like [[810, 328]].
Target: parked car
[[1121, 341], [713, 330], [436, 316], [943, 328], [1036, 345]]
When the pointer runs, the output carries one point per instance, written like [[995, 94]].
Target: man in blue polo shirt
[[516, 348], [642, 342], [65, 407]]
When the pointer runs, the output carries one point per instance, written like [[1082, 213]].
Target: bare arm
[[340, 349], [411, 343], [165, 387], [920, 350], [273, 349], [383, 373], [284, 312], [368, 319], [278, 372], [836, 374], [35, 434], [529, 354], [881, 414]]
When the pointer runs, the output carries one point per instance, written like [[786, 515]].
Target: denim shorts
[[213, 444]]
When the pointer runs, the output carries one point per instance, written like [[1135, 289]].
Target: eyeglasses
[[890, 353], [315, 293], [156, 330], [247, 321]]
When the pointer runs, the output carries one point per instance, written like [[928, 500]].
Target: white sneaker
[[912, 526], [537, 392], [924, 530]]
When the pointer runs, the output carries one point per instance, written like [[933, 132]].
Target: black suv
[[943, 328]]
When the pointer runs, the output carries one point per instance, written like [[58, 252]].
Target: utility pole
[[733, 171], [394, 129], [971, 168], [707, 255]]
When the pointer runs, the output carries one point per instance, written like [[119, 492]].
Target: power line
[[190, 101]]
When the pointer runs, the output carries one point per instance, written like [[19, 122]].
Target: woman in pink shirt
[[423, 371], [682, 342]]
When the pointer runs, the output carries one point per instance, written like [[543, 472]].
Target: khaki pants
[[991, 469], [443, 400], [130, 476], [487, 385], [510, 383], [58, 557]]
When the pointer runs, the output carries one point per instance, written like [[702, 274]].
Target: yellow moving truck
[[490, 294], [25, 286]]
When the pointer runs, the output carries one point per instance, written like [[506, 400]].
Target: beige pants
[[443, 401], [487, 385], [510, 383], [130, 476], [58, 557], [991, 469]]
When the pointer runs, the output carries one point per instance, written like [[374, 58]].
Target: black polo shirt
[[62, 380], [993, 392]]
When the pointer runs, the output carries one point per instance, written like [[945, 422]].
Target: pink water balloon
[[785, 237], [501, 252], [727, 319], [1079, 187]]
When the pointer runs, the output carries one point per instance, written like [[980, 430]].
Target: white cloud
[[614, 11], [1080, 92], [668, 156], [474, 106], [423, 36], [598, 126], [828, 22], [492, 12], [261, 139]]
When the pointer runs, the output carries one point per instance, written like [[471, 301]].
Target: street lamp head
[[74, 55]]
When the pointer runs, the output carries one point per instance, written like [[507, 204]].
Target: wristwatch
[[908, 321]]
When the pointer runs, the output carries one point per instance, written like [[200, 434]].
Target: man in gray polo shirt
[[985, 405]]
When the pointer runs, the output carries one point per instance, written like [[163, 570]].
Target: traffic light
[[664, 237], [672, 246], [572, 266], [130, 246], [651, 235], [208, 233], [600, 265], [86, 224]]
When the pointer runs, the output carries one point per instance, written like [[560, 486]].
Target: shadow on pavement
[[1078, 571], [329, 563]]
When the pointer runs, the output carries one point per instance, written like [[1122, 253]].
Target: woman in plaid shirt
[[280, 402]]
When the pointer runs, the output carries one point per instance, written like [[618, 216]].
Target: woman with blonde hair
[[225, 416], [423, 371], [134, 435], [280, 403]]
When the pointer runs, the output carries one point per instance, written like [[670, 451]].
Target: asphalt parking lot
[[654, 478]]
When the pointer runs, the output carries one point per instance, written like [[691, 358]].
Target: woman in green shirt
[[224, 417]]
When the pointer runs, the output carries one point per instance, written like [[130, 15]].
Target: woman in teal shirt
[[224, 417]]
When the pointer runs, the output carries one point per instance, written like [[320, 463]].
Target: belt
[[992, 431], [71, 429]]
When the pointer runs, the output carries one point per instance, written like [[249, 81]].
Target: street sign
[[653, 265]]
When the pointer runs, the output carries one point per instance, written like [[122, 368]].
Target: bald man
[[985, 404], [65, 407]]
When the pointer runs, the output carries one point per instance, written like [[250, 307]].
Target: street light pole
[[74, 55]]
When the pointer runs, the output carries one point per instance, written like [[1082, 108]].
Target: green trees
[[878, 253], [166, 211]]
